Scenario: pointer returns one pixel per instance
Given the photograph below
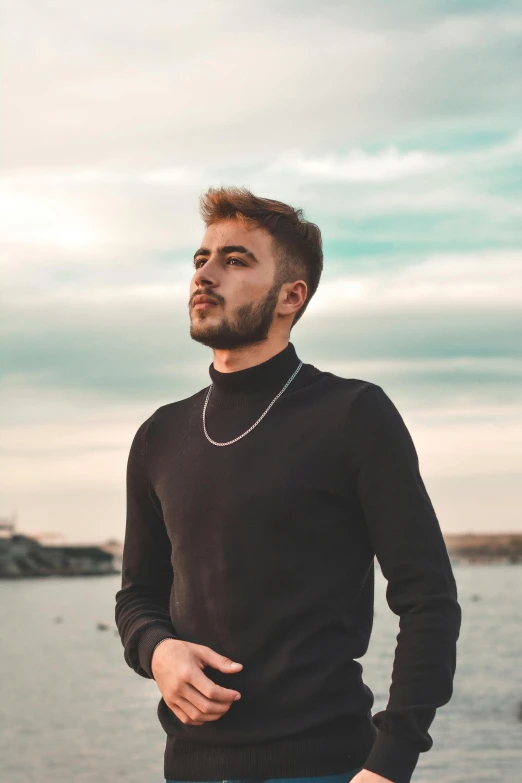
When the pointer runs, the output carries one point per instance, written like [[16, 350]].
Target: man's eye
[[197, 261]]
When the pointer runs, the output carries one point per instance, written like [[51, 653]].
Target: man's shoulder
[[348, 388], [367, 402], [179, 408], [171, 412]]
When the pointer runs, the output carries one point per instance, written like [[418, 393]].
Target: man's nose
[[207, 274]]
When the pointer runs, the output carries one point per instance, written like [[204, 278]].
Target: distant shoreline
[[25, 557], [22, 557], [477, 548]]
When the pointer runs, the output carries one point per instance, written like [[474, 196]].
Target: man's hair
[[297, 242]]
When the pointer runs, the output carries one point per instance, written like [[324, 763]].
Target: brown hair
[[299, 254]]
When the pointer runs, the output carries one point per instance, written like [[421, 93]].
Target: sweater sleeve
[[421, 589], [142, 610]]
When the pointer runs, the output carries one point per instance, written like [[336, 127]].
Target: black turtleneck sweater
[[263, 550]]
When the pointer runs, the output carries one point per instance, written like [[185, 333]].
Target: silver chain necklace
[[253, 425]]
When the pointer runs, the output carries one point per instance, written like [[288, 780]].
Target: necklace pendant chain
[[227, 443]]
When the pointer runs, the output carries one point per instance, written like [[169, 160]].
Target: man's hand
[[365, 776], [177, 668]]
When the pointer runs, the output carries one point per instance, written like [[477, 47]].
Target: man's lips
[[204, 305]]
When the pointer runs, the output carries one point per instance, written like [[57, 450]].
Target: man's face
[[235, 267]]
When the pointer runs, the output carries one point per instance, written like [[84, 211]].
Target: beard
[[250, 326]]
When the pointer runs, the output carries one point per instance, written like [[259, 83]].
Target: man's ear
[[295, 290]]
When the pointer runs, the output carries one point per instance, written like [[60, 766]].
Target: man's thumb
[[221, 662]]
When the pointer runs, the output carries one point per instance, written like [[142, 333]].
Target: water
[[72, 710]]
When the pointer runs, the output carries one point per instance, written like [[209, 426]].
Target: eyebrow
[[203, 251]]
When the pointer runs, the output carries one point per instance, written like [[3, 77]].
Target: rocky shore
[[22, 556]]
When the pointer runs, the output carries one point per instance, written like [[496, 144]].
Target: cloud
[[170, 87], [359, 166], [441, 282]]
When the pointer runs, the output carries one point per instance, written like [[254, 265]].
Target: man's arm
[[421, 590], [142, 605]]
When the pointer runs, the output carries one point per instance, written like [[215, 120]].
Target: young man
[[255, 509]]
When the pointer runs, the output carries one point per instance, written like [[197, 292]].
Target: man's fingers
[[182, 715], [196, 716], [202, 703], [209, 688], [210, 657]]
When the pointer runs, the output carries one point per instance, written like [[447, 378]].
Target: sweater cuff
[[392, 758], [148, 641]]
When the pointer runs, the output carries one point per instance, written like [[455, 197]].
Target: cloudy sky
[[396, 126]]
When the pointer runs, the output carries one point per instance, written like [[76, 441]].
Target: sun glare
[[50, 220]]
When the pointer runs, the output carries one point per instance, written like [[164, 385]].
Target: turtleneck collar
[[260, 378]]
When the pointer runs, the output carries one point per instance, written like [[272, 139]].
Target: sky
[[397, 127]]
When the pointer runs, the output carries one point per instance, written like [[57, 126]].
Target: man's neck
[[258, 380], [248, 356]]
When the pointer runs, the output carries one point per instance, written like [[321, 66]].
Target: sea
[[71, 710]]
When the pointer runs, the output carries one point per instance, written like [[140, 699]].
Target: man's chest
[[287, 479]]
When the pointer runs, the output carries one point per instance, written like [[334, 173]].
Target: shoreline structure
[[23, 556]]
